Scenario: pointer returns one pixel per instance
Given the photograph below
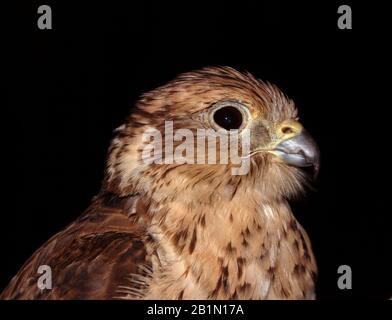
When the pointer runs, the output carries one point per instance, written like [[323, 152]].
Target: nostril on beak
[[287, 130]]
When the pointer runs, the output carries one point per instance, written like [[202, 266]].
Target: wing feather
[[92, 258]]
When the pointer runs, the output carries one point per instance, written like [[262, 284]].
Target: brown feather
[[185, 231], [91, 258]]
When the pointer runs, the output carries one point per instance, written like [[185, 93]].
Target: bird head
[[193, 106]]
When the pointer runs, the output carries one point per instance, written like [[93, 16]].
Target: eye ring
[[229, 114]]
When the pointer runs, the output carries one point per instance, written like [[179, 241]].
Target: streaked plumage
[[187, 231]]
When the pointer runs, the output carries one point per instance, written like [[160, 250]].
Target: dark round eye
[[228, 118]]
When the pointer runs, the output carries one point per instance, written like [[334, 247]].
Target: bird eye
[[228, 117]]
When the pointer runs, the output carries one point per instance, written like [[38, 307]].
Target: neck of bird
[[221, 245]]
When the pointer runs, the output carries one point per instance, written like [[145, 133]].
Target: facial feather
[[202, 214], [183, 101]]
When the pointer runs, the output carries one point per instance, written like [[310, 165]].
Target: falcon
[[187, 230]]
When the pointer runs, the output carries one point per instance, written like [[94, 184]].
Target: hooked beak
[[299, 150]]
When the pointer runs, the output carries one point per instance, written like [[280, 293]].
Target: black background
[[69, 87]]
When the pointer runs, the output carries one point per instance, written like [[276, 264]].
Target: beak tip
[[301, 151], [316, 170]]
